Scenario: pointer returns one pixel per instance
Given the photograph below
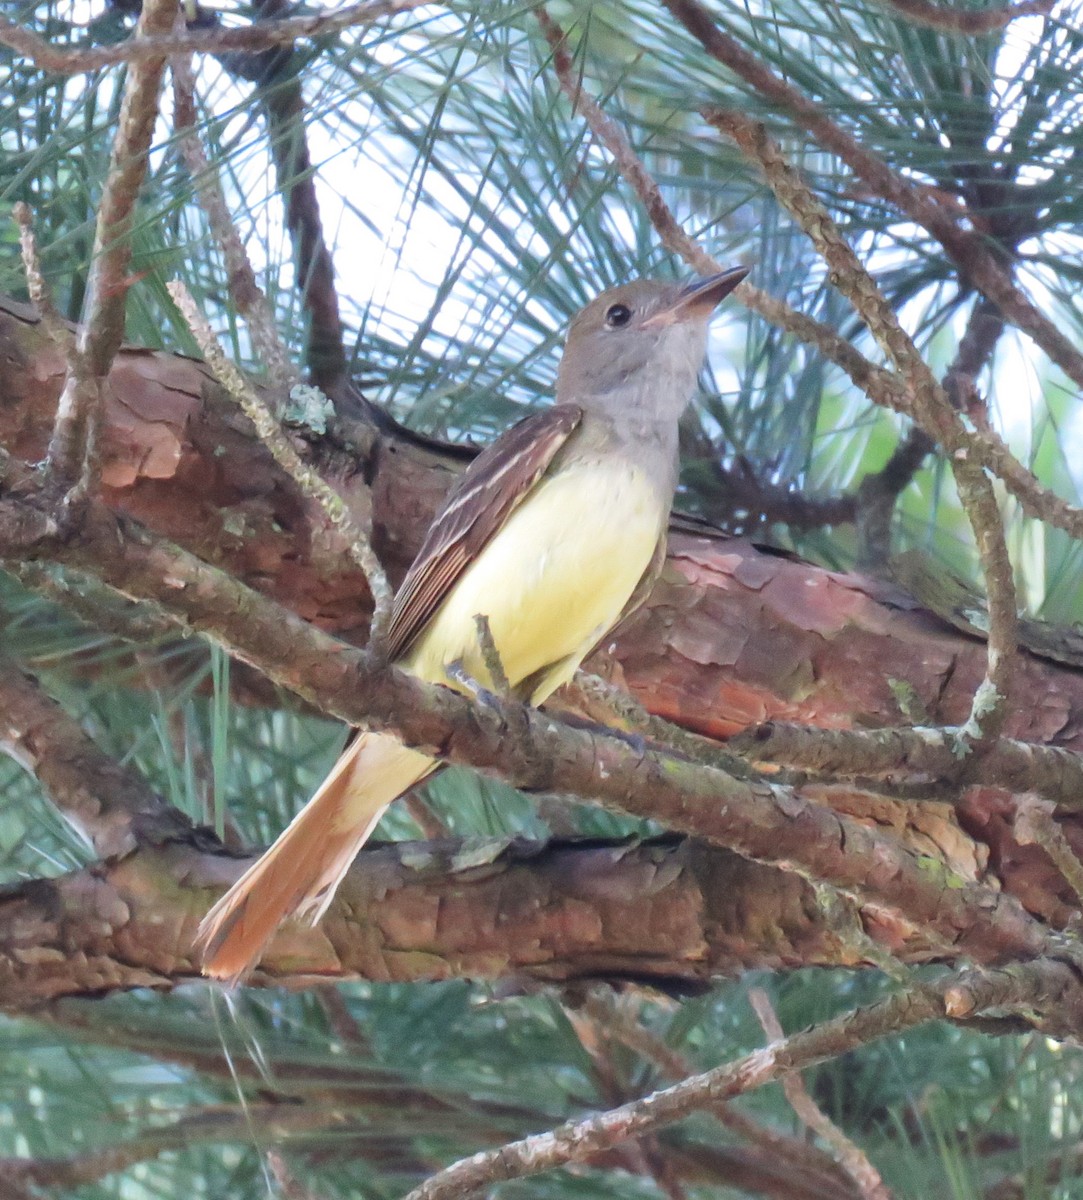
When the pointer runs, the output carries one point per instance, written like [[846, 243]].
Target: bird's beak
[[698, 298]]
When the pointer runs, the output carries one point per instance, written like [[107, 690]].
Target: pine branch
[[976, 262], [280, 95], [971, 21], [245, 293], [854, 1161], [931, 409]]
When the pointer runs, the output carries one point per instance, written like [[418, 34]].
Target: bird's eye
[[618, 315]]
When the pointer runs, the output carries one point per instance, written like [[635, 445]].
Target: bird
[[553, 535]]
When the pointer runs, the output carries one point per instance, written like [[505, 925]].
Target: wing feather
[[492, 487]]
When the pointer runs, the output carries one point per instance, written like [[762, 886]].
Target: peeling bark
[[670, 912]]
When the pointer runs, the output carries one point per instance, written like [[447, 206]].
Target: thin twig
[[853, 1160], [962, 994], [673, 1066], [644, 1156], [433, 827], [967, 20], [878, 494], [289, 1185], [248, 40], [244, 291], [72, 448], [111, 805], [203, 1125], [1035, 499], [931, 409], [307, 479], [60, 332]]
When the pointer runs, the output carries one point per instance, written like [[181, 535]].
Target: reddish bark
[[731, 636]]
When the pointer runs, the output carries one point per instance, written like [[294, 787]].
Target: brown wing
[[493, 486]]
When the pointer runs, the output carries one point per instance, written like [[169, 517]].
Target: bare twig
[[806, 1158], [306, 478], [60, 332], [433, 827], [968, 249], [108, 803], [91, 601], [212, 1123], [853, 1160], [1034, 497], [245, 292], [1052, 771], [962, 994], [289, 1185], [72, 450], [250, 40], [967, 20], [931, 408], [877, 494], [281, 97]]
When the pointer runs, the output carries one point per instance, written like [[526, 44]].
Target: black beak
[[698, 298], [708, 293]]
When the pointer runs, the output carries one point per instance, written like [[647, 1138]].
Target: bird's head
[[642, 342]]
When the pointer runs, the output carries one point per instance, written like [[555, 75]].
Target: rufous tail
[[300, 872]]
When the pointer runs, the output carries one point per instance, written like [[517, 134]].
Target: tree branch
[[967, 20], [248, 40], [110, 804], [854, 1161], [663, 912], [280, 95], [72, 449]]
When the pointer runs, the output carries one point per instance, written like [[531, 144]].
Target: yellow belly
[[553, 580]]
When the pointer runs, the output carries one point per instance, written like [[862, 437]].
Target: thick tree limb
[[674, 913]]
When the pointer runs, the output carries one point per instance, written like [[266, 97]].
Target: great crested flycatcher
[[555, 532]]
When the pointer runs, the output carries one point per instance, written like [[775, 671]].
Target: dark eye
[[617, 315]]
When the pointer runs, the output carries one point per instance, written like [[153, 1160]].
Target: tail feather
[[300, 872]]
